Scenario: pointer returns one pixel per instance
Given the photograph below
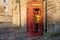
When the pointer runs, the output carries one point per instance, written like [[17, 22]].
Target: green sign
[[36, 4]]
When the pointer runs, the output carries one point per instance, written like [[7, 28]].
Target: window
[[5, 0], [6, 8], [17, 1]]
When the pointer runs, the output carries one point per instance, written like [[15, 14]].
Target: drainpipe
[[18, 1], [45, 15], [20, 13]]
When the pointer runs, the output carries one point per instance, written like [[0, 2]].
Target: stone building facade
[[53, 16], [6, 15], [16, 14]]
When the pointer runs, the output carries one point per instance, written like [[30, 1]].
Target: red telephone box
[[34, 18]]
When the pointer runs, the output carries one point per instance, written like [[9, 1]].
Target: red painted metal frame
[[30, 19]]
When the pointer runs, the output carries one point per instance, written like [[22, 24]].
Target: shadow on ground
[[7, 32]]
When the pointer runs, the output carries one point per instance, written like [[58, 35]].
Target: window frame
[[5, 1], [5, 8]]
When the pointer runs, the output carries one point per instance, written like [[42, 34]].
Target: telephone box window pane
[[36, 20], [36, 11]]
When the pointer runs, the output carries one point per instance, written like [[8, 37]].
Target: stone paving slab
[[10, 33], [17, 34]]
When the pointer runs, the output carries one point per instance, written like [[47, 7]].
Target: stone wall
[[1, 10], [53, 11], [6, 16], [23, 12], [53, 15]]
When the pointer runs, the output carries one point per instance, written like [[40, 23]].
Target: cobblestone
[[9, 33]]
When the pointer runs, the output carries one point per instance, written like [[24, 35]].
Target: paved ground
[[9, 33]]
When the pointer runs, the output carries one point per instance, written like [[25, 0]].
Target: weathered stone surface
[[53, 11], [53, 15]]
